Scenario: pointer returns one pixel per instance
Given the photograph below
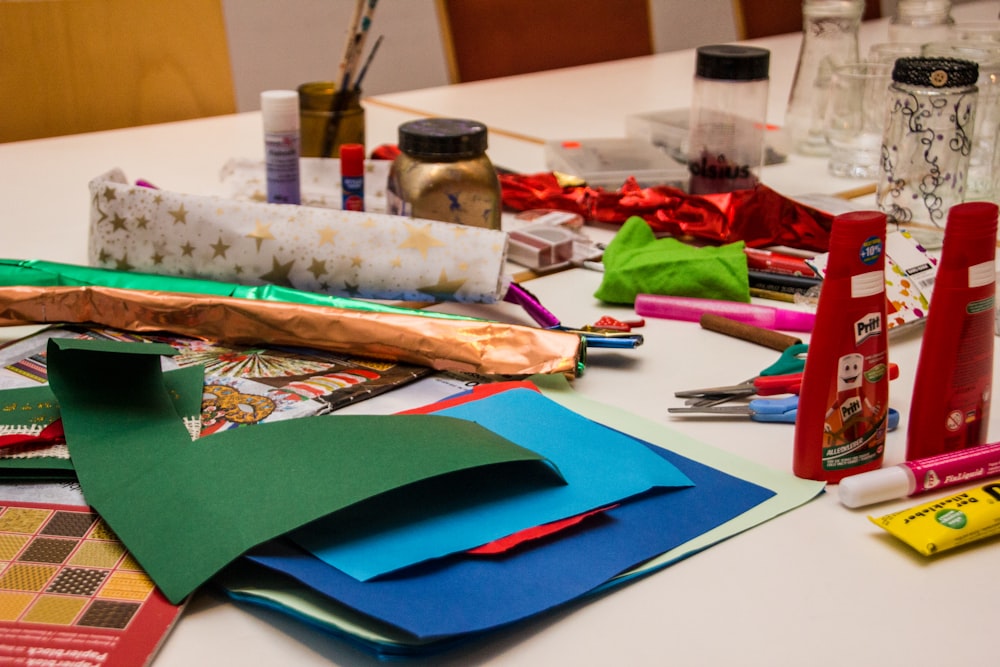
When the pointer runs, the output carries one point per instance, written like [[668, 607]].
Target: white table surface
[[818, 586]]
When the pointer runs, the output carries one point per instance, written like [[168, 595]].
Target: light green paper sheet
[[790, 491]]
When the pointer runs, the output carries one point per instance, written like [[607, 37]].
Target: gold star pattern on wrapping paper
[[366, 255], [326, 235], [279, 272], [261, 232], [109, 193], [421, 239], [219, 249], [103, 215], [123, 265], [317, 268], [179, 214], [443, 286]]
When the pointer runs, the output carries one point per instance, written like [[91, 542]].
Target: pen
[[767, 260], [782, 282]]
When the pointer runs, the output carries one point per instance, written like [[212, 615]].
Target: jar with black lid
[[443, 173], [927, 143]]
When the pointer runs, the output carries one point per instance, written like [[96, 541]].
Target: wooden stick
[[724, 325]]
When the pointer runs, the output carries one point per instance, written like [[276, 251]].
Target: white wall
[[282, 43]]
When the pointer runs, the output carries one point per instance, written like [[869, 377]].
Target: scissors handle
[[792, 360], [781, 410], [770, 385]]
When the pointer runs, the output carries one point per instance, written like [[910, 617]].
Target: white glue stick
[[911, 478]]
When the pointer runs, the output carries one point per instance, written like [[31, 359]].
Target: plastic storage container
[[608, 163], [728, 118]]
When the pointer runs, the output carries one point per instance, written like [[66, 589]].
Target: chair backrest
[[484, 39], [762, 18], [69, 66]]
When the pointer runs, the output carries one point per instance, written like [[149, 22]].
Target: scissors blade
[[742, 410]]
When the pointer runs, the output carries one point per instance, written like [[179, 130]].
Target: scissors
[[784, 376], [773, 410]]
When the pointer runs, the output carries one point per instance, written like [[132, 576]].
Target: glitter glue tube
[[953, 383], [352, 177], [915, 477], [280, 111], [690, 309], [844, 399], [949, 522]]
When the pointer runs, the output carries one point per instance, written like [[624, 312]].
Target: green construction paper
[[38, 273], [186, 508], [636, 262]]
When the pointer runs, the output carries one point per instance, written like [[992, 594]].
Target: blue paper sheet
[[465, 594], [601, 466]]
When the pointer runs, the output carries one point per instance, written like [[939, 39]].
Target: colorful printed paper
[[358, 254], [186, 508], [70, 594], [600, 466]]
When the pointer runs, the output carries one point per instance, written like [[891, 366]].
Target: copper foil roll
[[470, 346]]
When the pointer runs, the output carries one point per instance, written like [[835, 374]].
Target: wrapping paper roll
[[45, 292], [345, 253]]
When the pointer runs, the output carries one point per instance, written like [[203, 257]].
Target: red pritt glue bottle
[[844, 400], [950, 408]]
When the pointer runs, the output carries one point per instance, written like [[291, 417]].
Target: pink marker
[[690, 309], [921, 475]]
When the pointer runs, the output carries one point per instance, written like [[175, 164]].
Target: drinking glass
[[855, 118], [887, 52]]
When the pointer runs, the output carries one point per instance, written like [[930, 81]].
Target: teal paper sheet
[[601, 467]]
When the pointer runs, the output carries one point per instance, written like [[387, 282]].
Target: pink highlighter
[[690, 309]]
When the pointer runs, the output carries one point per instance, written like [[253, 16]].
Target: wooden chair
[[484, 39], [69, 66], [762, 18]]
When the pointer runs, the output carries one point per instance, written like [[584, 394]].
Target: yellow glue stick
[[948, 522]]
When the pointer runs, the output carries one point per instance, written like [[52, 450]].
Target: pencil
[[859, 191]]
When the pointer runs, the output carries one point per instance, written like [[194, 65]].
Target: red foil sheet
[[759, 216]]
